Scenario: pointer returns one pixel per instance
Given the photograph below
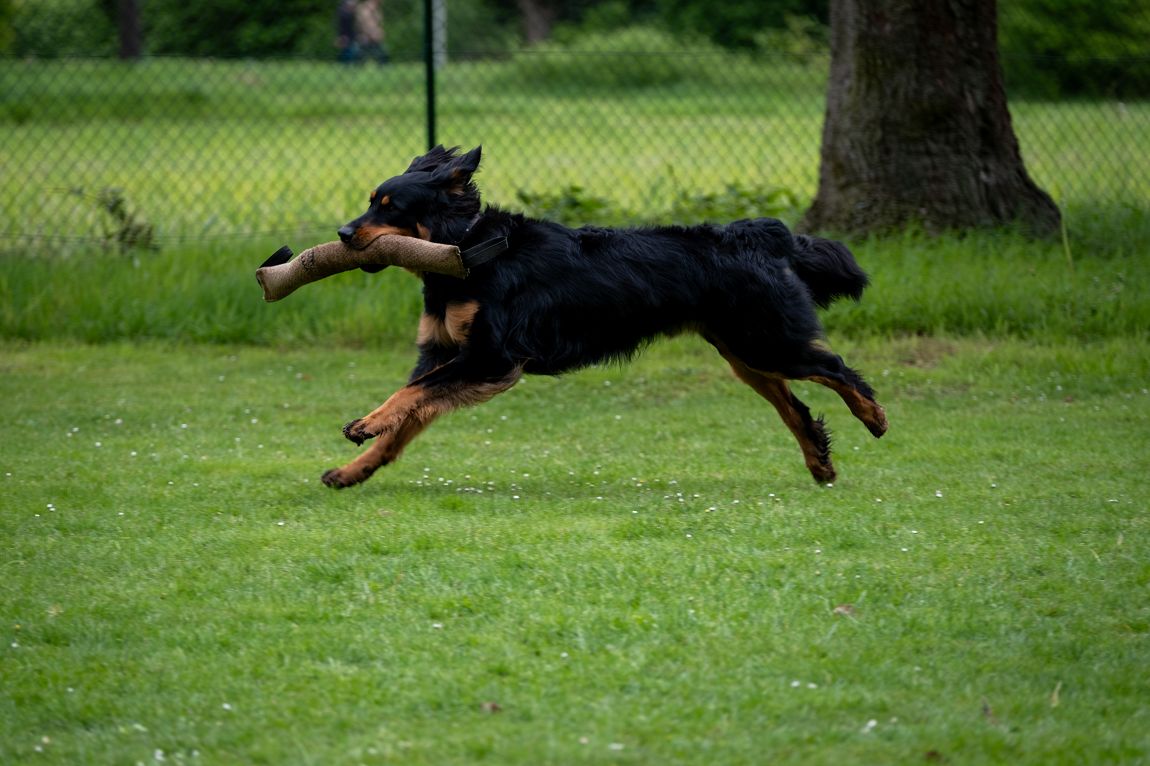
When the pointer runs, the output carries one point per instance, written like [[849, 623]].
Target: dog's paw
[[357, 431], [337, 479], [348, 476], [823, 473], [334, 479], [878, 425]]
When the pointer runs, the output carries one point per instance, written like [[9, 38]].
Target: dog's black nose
[[345, 234]]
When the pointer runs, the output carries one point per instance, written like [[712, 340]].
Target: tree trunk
[[538, 19], [130, 31], [917, 127]]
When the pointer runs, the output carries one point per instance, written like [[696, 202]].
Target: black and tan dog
[[554, 299]]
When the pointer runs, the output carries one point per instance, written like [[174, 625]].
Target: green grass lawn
[[627, 565]]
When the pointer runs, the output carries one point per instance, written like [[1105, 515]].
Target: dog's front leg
[[399, 420], [437, 367], [410, 410], [389, 416]]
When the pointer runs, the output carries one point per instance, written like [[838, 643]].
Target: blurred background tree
[[239, 28], [1060, 48], [58, 28], [917, 127], [7, 33], [736, 23]]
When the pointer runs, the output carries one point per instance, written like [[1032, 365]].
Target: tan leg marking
[[871, 413], [403, 417], [815, 447]]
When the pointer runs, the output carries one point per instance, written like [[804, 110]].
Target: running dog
[[544, 299]]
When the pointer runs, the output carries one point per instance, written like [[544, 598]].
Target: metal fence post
[[429, 67], [130, 30]]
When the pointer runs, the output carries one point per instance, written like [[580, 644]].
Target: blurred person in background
[[345, 24], [369, 31]]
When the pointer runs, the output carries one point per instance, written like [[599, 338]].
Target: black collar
[[483, 252]]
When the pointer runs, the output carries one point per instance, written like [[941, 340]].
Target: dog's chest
[[452, 327]]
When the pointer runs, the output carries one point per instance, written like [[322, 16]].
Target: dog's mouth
[[358, 238]]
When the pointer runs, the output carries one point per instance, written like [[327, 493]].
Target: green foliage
[[58, 28], [567, 13], [473, 31], [571, 205], [235, 28], [7, 33], [259, 28], [304, 28], [1053, 48], [123, 228], [575, 206], [1050, 48], [738, 23], [604, 17], [735, 201], [800, 38], [622, 58]]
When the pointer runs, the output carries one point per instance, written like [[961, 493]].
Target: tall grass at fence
[[987, 284]]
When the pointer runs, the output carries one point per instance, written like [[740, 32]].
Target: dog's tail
[[828, 268]]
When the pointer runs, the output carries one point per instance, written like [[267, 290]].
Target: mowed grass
[[626, 565]]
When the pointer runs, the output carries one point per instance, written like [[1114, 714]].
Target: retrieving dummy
[[280, 275]]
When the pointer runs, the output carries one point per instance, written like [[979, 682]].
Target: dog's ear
[[471, 159], [456, 175], [435, 157]]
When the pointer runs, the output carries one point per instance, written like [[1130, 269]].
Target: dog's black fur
[[559, 299]]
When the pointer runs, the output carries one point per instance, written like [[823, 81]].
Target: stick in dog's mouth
[[280, 275]]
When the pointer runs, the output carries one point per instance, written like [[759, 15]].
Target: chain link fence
[[627, 126]]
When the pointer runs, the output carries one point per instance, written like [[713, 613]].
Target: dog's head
[[434, 199]]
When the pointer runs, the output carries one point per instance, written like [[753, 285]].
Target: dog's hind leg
[[810, 360], [810, 433], [828, 369], [410, 410]]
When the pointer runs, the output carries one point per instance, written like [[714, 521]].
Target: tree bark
[[129, 28], [538, 19], [917, 128]]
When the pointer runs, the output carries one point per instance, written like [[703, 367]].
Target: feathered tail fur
[[828, 269]]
